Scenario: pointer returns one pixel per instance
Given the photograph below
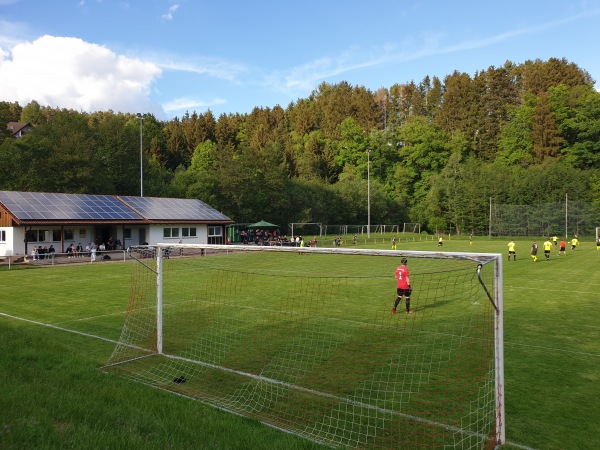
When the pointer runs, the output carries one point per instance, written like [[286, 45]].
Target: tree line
[[433, 152]]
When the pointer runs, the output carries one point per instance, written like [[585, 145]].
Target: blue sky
[[167, 57]]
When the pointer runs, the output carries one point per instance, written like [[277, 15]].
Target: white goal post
[[304, 339]]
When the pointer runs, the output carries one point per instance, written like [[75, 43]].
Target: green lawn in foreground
[[54, 395]]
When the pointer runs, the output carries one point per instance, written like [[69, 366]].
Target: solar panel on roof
[[42, 206], [154, 208]]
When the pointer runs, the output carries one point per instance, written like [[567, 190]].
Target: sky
[[169, 57]]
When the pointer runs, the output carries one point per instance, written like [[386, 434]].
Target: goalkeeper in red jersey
[[404, 289]]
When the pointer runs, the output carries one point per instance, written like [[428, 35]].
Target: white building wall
[[157, 234], [14, 245]]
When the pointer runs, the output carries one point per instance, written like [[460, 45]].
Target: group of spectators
[[44, 252], [76, 251], [267, 237], [261, 237]]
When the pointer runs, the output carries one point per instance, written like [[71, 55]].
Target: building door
[[142, 235]]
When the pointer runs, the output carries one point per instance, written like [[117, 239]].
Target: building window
[[35, 235], [171, 232], [2, 236], [55, 235], [127, 233], [68, 235], [215, 231], [188, 232], [82, 233]]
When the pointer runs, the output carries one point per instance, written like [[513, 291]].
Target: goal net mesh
[[304, 340]]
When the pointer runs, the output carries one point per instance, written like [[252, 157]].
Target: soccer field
[[58, 327]]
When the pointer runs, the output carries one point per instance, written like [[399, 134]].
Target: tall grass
[[53, 395]]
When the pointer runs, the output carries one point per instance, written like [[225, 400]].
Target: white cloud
[[169, 14], [188, 104], [70, 73], [212, 67]]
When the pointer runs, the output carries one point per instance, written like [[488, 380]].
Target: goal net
[[304, 340]]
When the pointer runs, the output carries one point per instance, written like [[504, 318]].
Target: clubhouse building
[[29, 219]]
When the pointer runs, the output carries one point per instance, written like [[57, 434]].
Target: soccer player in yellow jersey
[[574, 243], [512, 250], [547, 249]]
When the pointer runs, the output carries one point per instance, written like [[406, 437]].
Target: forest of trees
[[438, 150]]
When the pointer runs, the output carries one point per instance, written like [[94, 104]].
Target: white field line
[[83, 319], [35, 322]]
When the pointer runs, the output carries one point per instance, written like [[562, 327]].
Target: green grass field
[[58, 326]]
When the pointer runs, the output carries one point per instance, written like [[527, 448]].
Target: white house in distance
[[29, 219]]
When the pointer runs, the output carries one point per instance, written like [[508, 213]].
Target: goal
[[414, 228], [305, 229], [304, 340]]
